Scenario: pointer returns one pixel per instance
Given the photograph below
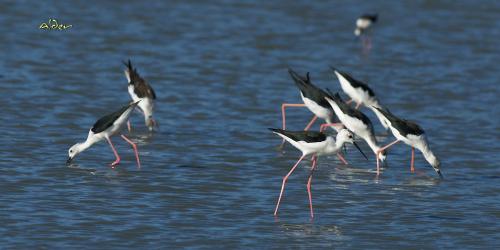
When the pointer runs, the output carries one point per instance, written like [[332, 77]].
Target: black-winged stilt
[[104, 128], [364, 22], [356, 122], [139, 89], [411, 134], [360, 93], [314, 99], [312, 143]]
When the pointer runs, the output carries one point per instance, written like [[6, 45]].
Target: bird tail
[[299, 80], [130, 72]]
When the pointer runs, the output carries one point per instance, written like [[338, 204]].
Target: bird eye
[[71, 151]]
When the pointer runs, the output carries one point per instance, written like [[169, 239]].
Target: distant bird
[[104, 128], [356, 122], [360, 93], [364, 22], [411, 134], [316, 144], [139, 89]]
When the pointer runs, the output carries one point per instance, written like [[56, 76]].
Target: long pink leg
[[135, 150], [349, 102], [284, 105], [380, 151], [309, 185], [358, 105], [311, 123], [283, 115], [128, 126], [325, 125], [284, 182], [114, 151], [341, 158], [412, 169]]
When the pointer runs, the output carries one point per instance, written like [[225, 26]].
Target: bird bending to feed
[[360, 93], [139, 89], [411, 134], [356, 122], [364, 22], [104, 128], [314, 99], [312, 143]]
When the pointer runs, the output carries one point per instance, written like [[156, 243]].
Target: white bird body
[[361, 94], [364, 22], [318, 110], [146, 104], [359, 125], [140, 90], [412, 135], [329, 146], [104, 128]]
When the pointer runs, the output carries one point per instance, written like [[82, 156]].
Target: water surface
[[212, 173]]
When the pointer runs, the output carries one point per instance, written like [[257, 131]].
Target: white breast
[[363, 23], [318, 110], [135, 98], [349, 90]]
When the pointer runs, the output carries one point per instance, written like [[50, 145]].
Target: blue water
[[211, 175]]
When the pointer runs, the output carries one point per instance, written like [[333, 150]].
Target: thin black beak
[[356, 145], [69, 160], [440, 175]]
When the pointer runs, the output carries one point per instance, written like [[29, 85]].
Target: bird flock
[[344, 117], [348, 121]]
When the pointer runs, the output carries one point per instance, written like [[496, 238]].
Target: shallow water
[[212, 173]]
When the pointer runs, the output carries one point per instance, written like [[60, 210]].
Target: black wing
[[350, 111], [308, 89], [371, 17], [307, 136], [404, 127], [107, 121], [141, 87], [355, 83]]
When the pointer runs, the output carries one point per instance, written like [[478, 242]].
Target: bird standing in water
[[411, 134], [104, 128], [316, 144], [363, 25], [139, 89]]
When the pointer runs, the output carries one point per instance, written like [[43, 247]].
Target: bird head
[[346, 136], [73, 151]]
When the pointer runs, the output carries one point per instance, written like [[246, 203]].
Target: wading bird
[[314, 99], [104, 128], [411, 134], [363, 24], [360, 93], [139, 89], [356, 122], [315, 144]]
